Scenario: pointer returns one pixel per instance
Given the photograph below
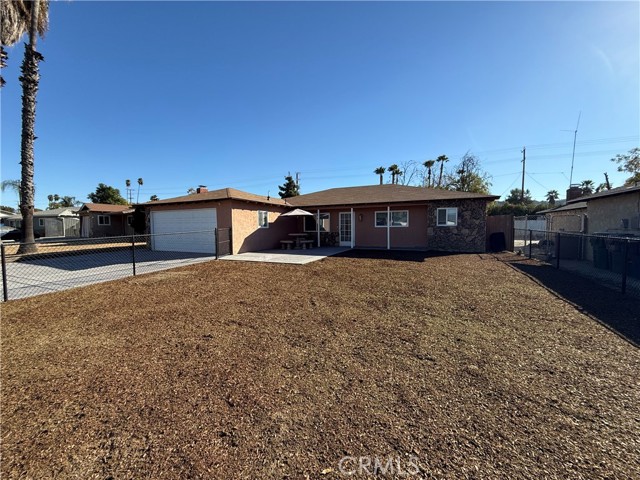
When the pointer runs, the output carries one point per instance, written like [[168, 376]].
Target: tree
[[517, 210], [630, 163], [154, 198], [30, 17], [515, 197], [552, 196], [468, 176], [380, 171], [409, 173], [393, 169], [6, 208], [429, 165], [140, 183], [56, 201], [442, 159], [289, 188], [106, 194], [587, 187], [11, 185]]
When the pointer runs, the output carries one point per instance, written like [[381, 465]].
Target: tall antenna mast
[[573, 155]]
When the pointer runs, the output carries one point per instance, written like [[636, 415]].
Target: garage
[[189, 230]]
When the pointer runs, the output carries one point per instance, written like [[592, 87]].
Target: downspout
[[353, 230], [318, 227], [388, 227]]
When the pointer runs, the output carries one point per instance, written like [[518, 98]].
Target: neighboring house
[[105, 220], [613, 211], [567, 218], [58, 222], [378, 216]]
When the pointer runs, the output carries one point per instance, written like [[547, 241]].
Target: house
[[253, 220], [613, 211], [567, 218], [57, 222], [377, 216], [105, 220]]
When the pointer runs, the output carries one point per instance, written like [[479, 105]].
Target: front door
[[345, 229]]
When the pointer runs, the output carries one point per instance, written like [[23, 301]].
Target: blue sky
[[239, 94]]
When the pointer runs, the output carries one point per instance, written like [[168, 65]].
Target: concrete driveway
[[36, 276]]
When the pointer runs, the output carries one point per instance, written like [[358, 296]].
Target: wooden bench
[[286, 244], [307, 243]]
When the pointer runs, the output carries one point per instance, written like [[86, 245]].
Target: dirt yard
[[441, 367]]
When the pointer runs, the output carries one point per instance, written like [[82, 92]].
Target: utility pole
[[524, 158], [298, 179]]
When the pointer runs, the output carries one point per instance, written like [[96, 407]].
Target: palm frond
[[16, 19]]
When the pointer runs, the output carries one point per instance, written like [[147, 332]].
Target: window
[[129, 220], [104, 220], [41, 222], [399, 218], [447, 217], [263, 219], [310, 223]]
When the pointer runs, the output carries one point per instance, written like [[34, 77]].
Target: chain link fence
[[69, 263], [611, 260]]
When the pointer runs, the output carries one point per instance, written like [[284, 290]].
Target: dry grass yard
[[451, 366]]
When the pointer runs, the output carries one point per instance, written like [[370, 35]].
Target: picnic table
[[298, 238], [299, 242]]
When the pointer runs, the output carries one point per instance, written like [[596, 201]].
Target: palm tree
[[429, 164], [380, 171], [16, 21], [31, 17], [552, 196], [394, 172], [12, 185], [140, 183], [587, 187], [441, 159]]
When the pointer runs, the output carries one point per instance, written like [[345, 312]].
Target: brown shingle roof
[[607, 193], [104, 208], [381, 194], [221, 194]]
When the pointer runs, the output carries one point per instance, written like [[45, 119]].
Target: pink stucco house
[[377, 216]]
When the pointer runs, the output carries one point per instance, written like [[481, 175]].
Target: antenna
[[573, 155]]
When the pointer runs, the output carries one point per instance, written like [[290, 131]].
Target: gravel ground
[[435, 367]]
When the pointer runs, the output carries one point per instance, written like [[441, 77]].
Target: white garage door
[[184, 230]]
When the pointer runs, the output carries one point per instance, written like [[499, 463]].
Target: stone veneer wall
[[470, 233]]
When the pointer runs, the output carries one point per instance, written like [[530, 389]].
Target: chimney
[[574, 191], [201, 189]]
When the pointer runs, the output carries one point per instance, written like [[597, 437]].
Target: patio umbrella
[[298, 212]]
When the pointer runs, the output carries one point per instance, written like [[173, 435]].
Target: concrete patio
[[293, 257]]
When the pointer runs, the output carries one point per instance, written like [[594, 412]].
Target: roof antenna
[[573, 155]]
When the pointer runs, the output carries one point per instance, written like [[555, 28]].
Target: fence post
[[625, 267], [530, 244], [217, 242], [5, 292], [558, 250], [133, 253]]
